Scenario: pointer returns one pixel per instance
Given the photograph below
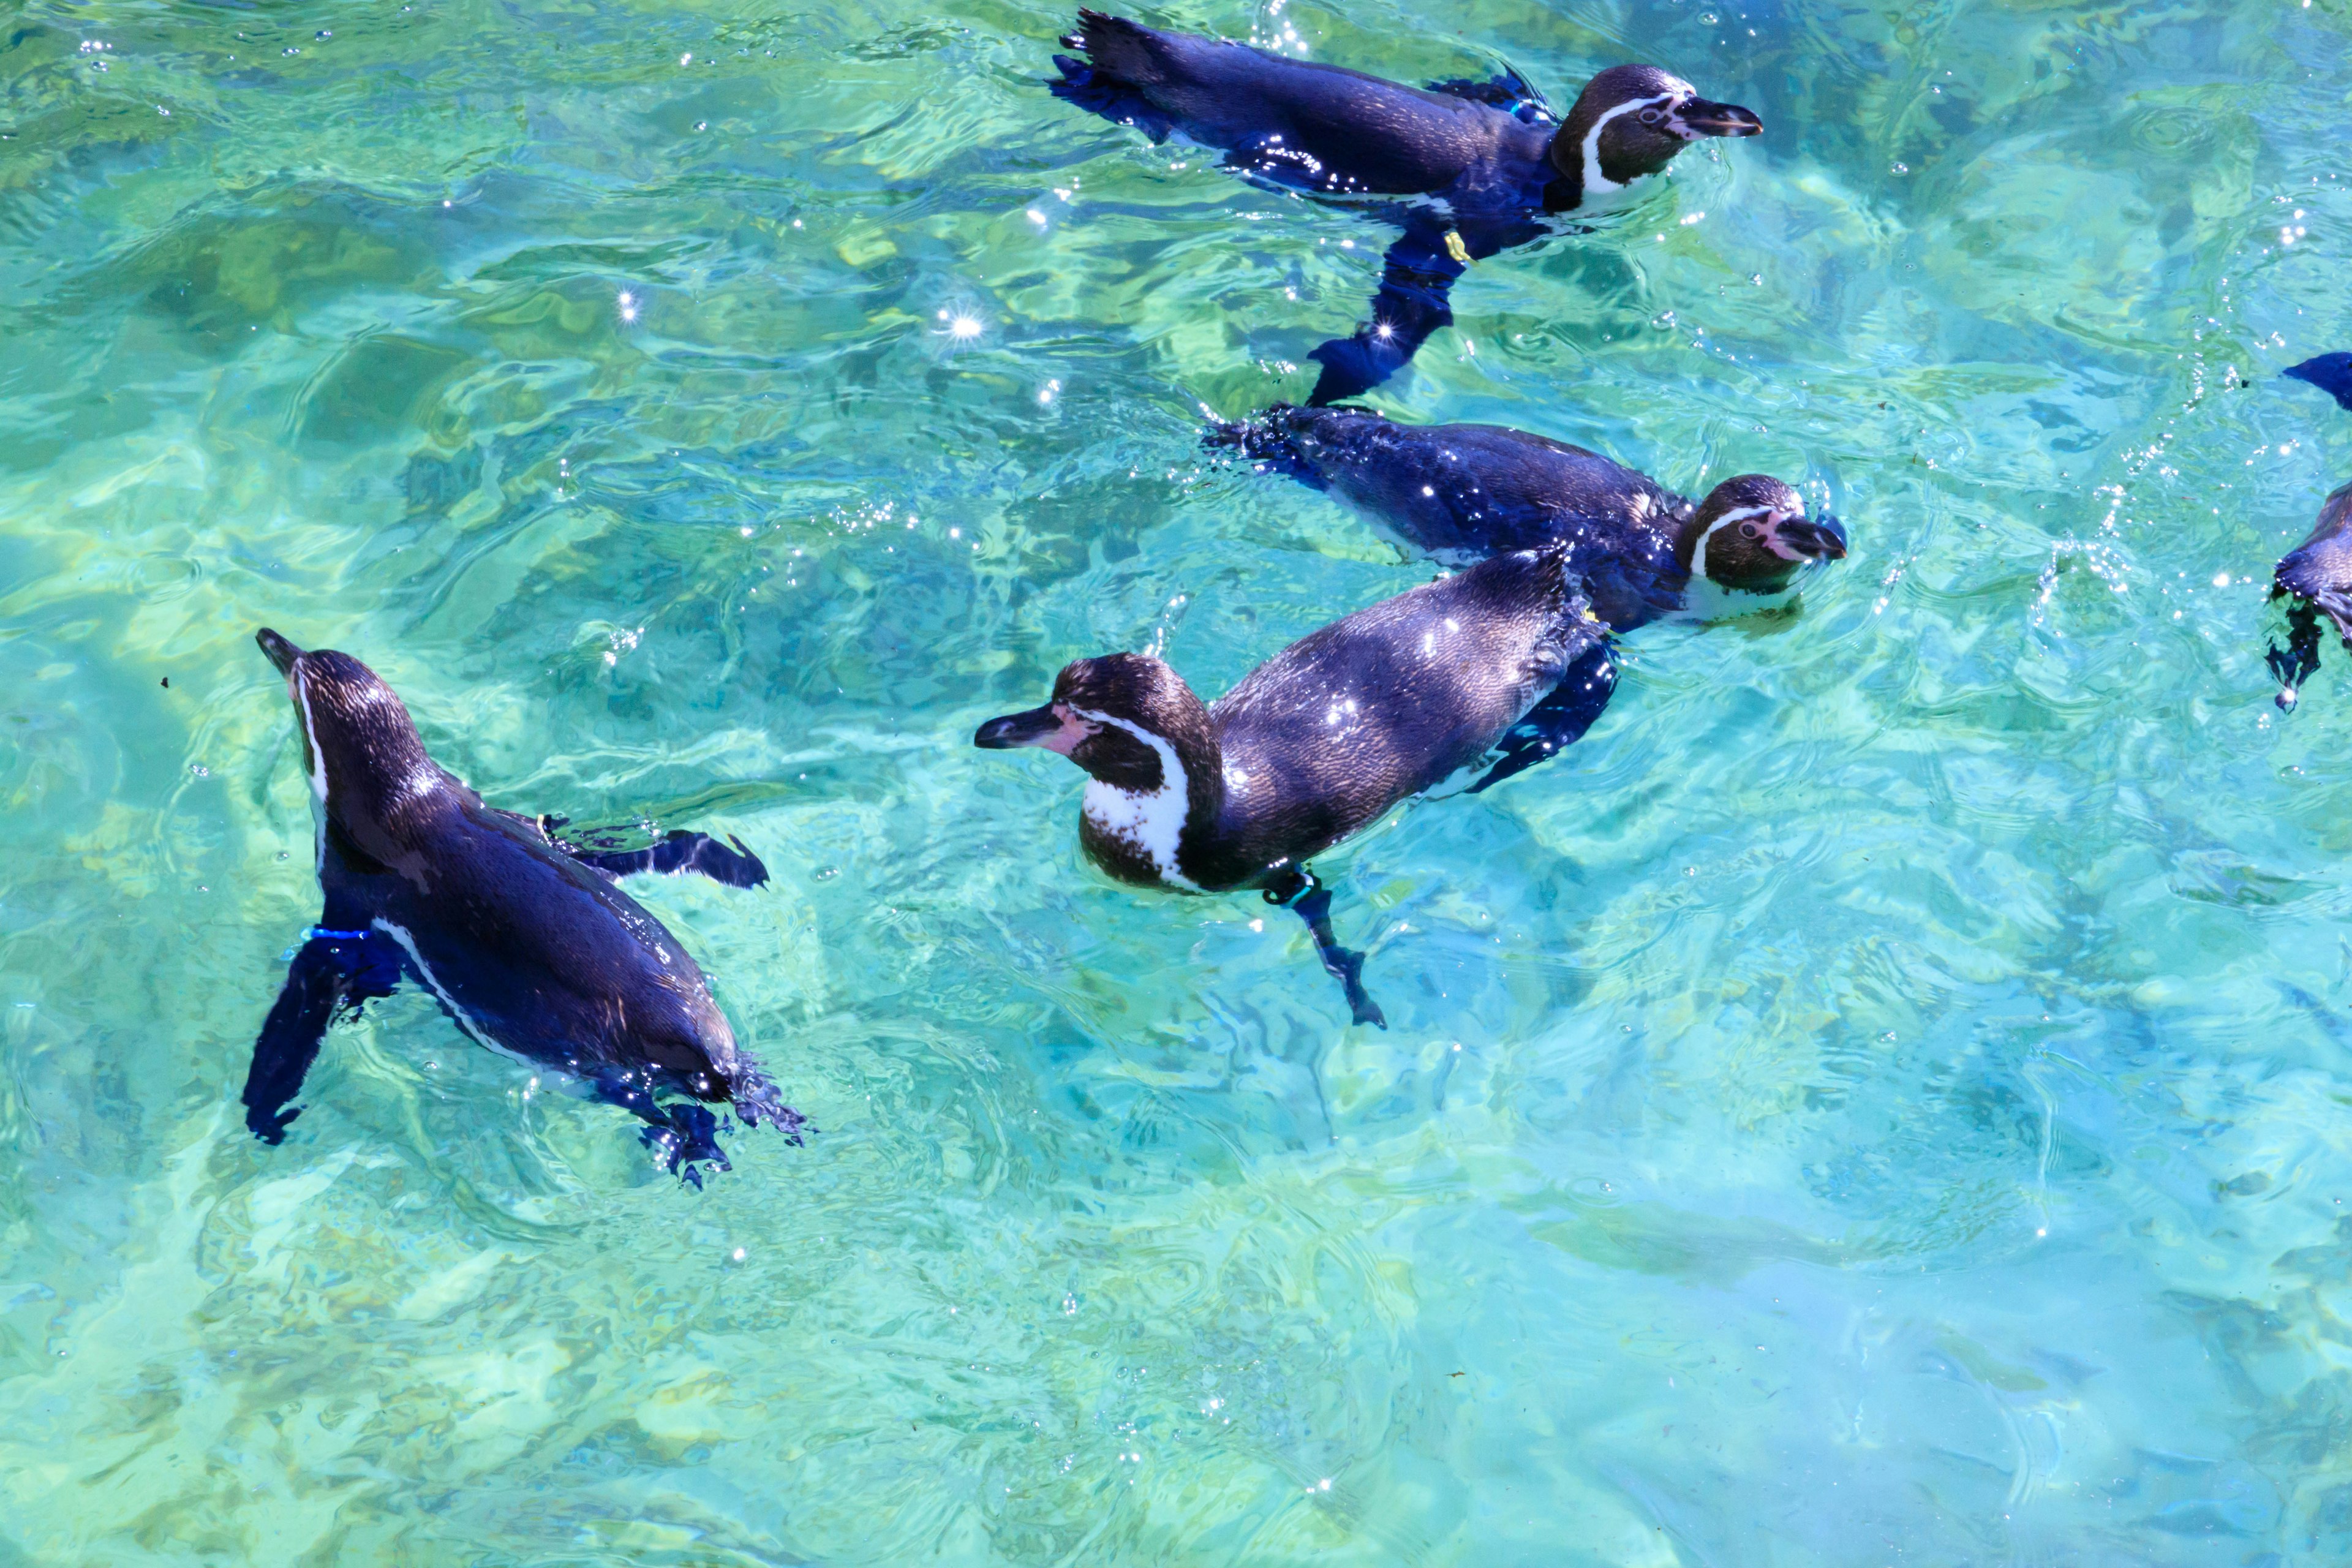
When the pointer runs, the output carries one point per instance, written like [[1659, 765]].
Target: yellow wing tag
[[1455, 248]]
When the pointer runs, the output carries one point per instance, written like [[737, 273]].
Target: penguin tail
[[1266, 441], [1128, 51], [1124, 61]]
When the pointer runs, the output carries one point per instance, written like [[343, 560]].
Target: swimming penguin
[[1319, 740], [1460, 493], [2316, 576], [524, 940], [1492, 152]]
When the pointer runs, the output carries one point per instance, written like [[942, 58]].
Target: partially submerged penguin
[[524, 940], [1321, 740], [2316, 576], [1460, 493], [1492, 153]]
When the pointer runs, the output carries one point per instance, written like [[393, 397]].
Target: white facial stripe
[[310, 735], [1698, 551], [1594, 180], [317, 775], [1153, 823]]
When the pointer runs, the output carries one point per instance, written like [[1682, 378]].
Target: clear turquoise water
[[1883, 1099]]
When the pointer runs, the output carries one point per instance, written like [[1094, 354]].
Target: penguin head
[[1105, 716], [359, 746], [1631, 121], [1751, 534]]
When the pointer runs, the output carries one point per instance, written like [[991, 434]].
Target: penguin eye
[[1750, 531], [1653, 116]]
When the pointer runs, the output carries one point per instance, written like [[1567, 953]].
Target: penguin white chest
[[1148, 823]]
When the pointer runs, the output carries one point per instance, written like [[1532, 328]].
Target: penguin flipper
[[2332, 373], [1412, 302], [330, 974], [674, 853], [1559, 721], [1506, 90], [1310, 900]]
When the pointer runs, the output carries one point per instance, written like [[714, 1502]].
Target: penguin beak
[[281, 652], [1700, 117], [1821, 539], [1049, 727]]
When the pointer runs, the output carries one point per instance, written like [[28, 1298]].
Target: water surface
[[1881, 1099]]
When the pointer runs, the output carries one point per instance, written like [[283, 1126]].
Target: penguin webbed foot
[[1300, 893], [2299, 662], [686, 1138], [756, 1102], [1096, 90]]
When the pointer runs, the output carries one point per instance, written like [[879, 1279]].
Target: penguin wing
[[1506, 90], [330, 975], [674, 853], [2332, 373]]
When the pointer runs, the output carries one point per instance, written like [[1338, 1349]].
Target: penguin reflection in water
[[525, 940], [1485, 160], [1319, 742]]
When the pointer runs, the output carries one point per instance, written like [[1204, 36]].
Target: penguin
[[2316, 576], [527, 941], [1320, 740], [1459, 493], [1492, 156]]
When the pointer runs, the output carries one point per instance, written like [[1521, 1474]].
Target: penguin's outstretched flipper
[[1310, 900], [1559, 721], [1412, 302], [1508, 91], [674, 853], [2332, 373], [333, 973]]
